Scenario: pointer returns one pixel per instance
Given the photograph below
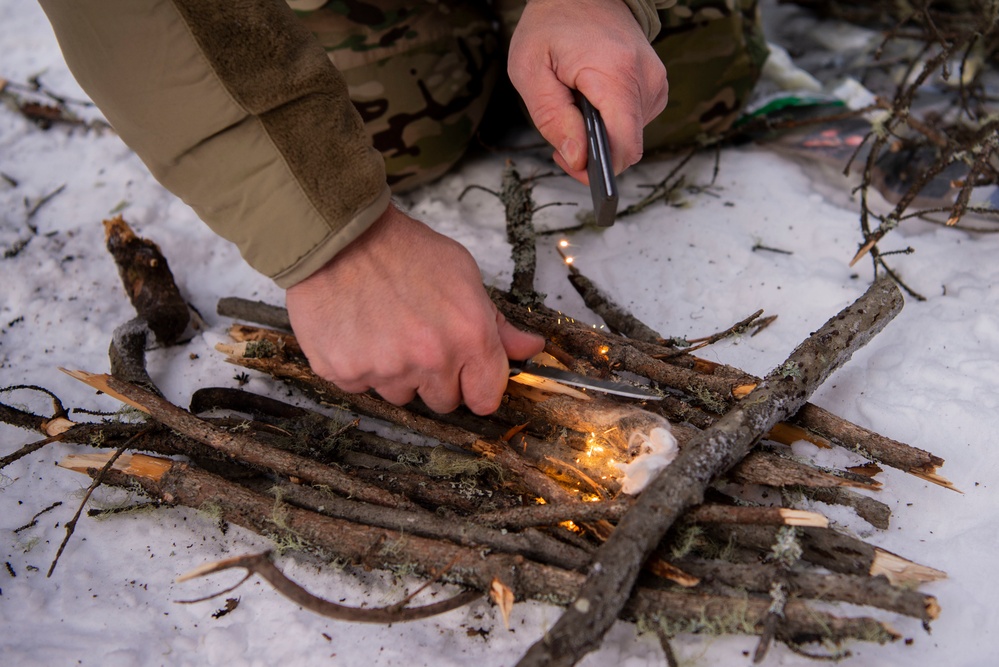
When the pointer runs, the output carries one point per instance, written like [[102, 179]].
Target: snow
[[929, 380]]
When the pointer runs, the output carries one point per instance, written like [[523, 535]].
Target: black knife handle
[[603, 186]]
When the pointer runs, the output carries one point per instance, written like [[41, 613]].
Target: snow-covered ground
[[929, 379]]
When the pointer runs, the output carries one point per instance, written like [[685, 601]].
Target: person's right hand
[[402, 310], [597, 48]]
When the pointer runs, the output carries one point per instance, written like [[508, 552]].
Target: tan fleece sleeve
[[645, 12], [235, 108]]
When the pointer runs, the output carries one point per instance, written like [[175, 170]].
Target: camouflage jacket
[[235, 108]]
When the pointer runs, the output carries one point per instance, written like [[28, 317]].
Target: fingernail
[[572, 153]]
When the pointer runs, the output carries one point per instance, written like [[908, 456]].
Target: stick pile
[[526, 504]]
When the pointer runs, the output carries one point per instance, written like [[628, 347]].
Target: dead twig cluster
[[45, 107], [933, 142]]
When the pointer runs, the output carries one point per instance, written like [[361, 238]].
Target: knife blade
[[585, 382]]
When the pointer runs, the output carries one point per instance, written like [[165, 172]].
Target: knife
[[603, 187], [585, 382]]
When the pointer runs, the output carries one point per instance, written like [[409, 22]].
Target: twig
[[833, 550], [261, 565], [516, 195], [854, 589], [98, 479], [682, 484], [28, 449], [617, 319], [532, 544], [42, 201], [34, 519]]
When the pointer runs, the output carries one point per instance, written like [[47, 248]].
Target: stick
[[254, 311], [516, 195], [532, 544], [261, 564], [834, 551], [238, 446], [606, 353], [127, 354], [761, 467], [870, 510], [533, 480], [871, 445], [617, 319], [860, 590], [681, 485]]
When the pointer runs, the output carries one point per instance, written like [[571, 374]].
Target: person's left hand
[[598, 48]]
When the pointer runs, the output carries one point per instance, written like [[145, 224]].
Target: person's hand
[[597, 48], [402, 310]]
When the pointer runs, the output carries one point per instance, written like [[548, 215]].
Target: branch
[[261, 564]]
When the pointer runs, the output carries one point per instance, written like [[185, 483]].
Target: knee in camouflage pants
[[421, 72]]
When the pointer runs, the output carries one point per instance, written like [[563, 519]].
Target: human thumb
[[518, 344]]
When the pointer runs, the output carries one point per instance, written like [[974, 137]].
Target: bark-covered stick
[[254, 311], [238, 446], [517, 198], [681, 485]]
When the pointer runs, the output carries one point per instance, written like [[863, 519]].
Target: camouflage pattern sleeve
[[419, 73]]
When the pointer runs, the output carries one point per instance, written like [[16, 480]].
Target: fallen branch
[[681, 485]]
